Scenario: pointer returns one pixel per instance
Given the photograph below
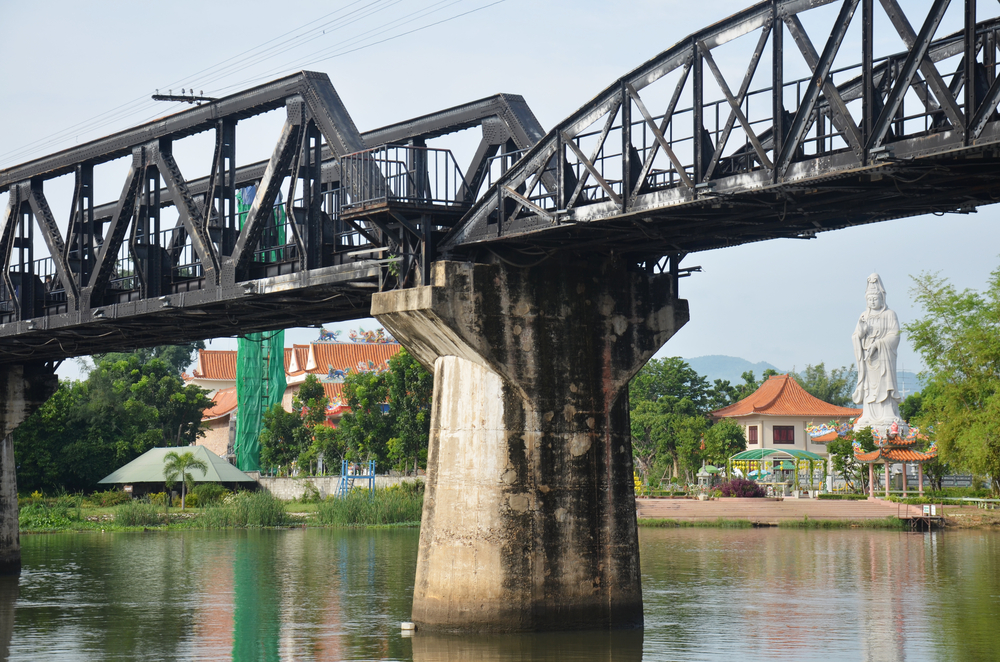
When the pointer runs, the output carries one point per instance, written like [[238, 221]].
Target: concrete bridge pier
[[23, 388], [529, 516]]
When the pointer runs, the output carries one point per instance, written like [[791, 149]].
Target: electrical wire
[[286, 42]]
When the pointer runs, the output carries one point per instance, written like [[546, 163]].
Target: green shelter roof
[[761, 453], [148, 468]]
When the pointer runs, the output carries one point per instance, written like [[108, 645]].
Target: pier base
[[529, 514], [23, 388]]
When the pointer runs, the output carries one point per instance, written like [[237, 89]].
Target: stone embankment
[[769, 511]]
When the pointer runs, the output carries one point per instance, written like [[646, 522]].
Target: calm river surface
[[710, 594]]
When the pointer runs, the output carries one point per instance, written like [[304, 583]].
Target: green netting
[[260, 384], [260, 381]]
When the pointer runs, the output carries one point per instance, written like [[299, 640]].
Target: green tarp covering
[[260, 357], [260, 384], [148, 468]]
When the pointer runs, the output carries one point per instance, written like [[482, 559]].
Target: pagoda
[[894, 447]]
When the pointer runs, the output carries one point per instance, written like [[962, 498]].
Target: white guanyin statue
[[875, 340]]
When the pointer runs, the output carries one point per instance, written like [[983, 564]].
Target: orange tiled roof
[[223, 402], [895, 455], [347, 356], [781, 395], [215, 364]]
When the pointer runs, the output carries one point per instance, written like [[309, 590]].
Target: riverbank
[[802, 513]]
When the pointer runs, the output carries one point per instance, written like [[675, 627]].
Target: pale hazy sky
[[788, 302]]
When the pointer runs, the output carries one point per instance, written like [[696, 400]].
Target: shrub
[[842, 497], [398, 504], [741, 487], [109, 498], [43, 517], [311, 493], [208, 493], [245, 510], [137, 512]]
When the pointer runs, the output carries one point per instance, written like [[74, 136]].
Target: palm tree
[[178, 464]]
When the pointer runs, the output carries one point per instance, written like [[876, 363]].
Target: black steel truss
[[769, 157], [355, 219]]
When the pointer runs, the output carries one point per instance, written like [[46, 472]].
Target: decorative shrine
[[894, 447]]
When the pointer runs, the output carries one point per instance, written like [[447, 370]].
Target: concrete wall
[[293, 488]]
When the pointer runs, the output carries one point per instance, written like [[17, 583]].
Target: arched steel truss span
[[790, 118]]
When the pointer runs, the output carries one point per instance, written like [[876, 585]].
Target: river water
[[321, 594]]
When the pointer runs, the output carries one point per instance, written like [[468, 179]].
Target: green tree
[[410, 389], [177, 465], [310, 403], [841, 451], [365, 430], [723, 440], [90, 428], [177, 357], [834, 387], [959, 339], [279, 443], [666, 437], [670, 376]]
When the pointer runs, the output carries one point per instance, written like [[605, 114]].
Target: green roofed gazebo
[[147, 470], [758, 454]]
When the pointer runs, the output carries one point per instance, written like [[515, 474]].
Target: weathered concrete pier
[[529, 519], [23, 388]]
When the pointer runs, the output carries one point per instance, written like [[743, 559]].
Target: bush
[[137, 512], [741, 487], [843, 497], [109, 498], [245, 510], [310, 493], [209, 493], [41, 516], [398, 504]]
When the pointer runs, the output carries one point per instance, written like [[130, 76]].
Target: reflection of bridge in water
[[535, 279]]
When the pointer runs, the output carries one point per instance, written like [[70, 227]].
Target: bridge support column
[[529, 515], [23, 388]]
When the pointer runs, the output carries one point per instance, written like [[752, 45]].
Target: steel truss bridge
[[790, 118]]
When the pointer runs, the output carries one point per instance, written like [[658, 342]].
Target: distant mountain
[[727, 367], [732, 368]]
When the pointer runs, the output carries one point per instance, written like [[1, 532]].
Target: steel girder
[[119, 279], [883, 136]]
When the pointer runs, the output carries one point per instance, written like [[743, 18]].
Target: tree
[[176, 465], [177, 357], [723, 393], [723, 440], [841, 450], [834, 387], [310, 403], [279, 443], [670, 376], [410, 390], [959, 339], [365, 430], [87, 429]]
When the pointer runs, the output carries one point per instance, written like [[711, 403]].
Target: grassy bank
[[720, 523], [394, 506], [890, 523]]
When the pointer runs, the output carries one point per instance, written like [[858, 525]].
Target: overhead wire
[[287, 41]]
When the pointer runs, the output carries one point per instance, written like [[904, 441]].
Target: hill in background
[[732, 368]]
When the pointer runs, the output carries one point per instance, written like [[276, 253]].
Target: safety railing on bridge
[[417, 176]]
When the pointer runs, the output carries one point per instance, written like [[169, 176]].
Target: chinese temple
[[895, 448]]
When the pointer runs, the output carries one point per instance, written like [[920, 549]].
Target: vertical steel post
[[867, 86], [626, 146], [970, 65], [777, 84], [698, 88]]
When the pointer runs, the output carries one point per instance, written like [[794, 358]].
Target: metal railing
[[404, 174]]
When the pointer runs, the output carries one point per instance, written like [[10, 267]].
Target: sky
[[91, 69]]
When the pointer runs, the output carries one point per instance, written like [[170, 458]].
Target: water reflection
[[340, 595], [8, 596], [621, 646]]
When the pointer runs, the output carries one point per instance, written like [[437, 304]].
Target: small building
[[144, 474], [777, 414]]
